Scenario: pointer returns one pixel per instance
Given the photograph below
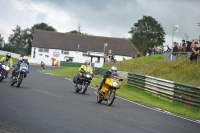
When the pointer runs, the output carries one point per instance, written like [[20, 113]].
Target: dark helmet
[[8, 55]]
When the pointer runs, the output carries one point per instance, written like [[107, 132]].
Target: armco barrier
[[187, 94], [70, 64], [136, 80], [184, 93], [100, 71]]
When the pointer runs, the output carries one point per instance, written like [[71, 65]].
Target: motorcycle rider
[[8, 59], [23, 60], [84, 68], [106, 75]]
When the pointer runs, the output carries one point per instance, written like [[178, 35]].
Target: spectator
[[195, 50], [188, 43], [166, 56], [174, 52], [183, 46], [150, 51]]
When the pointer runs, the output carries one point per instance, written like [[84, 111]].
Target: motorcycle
[[43, 65], [4, 70], [19, 74], [83, 82], [109, 88]]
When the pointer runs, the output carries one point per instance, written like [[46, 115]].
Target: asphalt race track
[[48, 104]]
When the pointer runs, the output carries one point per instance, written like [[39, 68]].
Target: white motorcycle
[[4, 70]]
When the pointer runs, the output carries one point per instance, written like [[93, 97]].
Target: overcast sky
[[111, 18]]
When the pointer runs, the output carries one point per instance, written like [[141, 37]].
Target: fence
[[70, 64], [184, 93]]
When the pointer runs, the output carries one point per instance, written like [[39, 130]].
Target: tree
[[19, 40], [146, 33], [39, 26]]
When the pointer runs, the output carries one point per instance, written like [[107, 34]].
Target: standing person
[[166, 56], [150, 51], [183, 46], [188, 46], [174, 51], [194, 51]]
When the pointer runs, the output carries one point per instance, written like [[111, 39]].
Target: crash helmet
[[87, 62], [113, 69], [8, 56], [25, 59]]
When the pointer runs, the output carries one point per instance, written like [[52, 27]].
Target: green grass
[[179, 71], [135, 95]]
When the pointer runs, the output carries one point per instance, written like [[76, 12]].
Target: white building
[[78, 48]]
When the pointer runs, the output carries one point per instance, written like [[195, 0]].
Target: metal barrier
[[184, 93], [70, 64], [100, 71], [187, 94]]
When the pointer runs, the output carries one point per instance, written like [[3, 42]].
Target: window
[[84, 54], [43, 50], [46, 50], [65, 52], [40, 50]]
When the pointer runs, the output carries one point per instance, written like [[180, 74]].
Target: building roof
[[70, 42]]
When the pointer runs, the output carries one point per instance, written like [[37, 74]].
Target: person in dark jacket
[[24, 60], [106, 75], [174, 52]]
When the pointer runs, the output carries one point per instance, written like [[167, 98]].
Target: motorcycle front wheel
[[20, 80], [111, 97], [2, 75], [84, 88], [99, 100]]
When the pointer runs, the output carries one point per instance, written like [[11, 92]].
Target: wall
[[13, 55], [78, 56]]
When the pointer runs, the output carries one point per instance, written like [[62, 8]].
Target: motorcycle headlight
[[7, 68], [88, 76], [115, 84]]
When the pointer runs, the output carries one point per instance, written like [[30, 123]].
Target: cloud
[[112, 18]]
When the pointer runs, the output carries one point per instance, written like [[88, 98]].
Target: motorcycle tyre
[[110, 101], [20, 80], [2, 76], [99, 100], [84, 89]]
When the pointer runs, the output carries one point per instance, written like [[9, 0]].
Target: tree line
[[146, 32]]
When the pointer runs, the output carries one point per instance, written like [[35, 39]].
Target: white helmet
[[114, 68], [87, 62]]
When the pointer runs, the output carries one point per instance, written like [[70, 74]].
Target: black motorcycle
[[83, 82]]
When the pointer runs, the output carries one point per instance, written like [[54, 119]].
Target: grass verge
[[135, 95]]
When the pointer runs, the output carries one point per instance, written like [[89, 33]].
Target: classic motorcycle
[[109, 88], [19, 74], [83, 82], [4, 68]]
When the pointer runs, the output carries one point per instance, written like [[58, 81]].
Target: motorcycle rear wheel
[[111, 97]]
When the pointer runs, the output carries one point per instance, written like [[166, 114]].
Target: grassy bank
[[135, 95], [179, 71]]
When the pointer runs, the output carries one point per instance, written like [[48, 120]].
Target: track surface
[[48, 104]]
